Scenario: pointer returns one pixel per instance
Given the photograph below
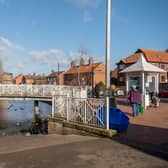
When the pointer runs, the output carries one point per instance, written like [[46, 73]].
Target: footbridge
[[68, 102], [39, 92]]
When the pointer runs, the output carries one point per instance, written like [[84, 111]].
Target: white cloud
[[9, 54], [87, 17], [6, 45], [21, 65], [118, 17], [85, 6], [85, 3], [50, 57]]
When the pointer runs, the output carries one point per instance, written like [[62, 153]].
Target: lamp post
[[58, 75], [107, 94]]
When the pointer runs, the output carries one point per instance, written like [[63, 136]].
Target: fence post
[[67, 110], [85, 111], [53, 106]]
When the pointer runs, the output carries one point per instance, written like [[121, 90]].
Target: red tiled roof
[[20, 75], [131, 59], [82, 69], [53, 73], [150, 55]]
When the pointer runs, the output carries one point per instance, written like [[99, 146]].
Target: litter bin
[[155, 101]]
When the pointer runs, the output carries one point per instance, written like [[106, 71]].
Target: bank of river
[[18, 115]]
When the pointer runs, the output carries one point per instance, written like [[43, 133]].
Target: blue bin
[[118, 120]]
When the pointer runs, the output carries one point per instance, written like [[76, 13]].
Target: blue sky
[[36, 35]]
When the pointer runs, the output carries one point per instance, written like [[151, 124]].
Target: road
[[72, 151]]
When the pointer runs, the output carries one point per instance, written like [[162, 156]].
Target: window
[[163, 78], [162, 66], [121, 79], [121, 66]]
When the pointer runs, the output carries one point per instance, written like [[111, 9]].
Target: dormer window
[[121, 66], [162, 66]]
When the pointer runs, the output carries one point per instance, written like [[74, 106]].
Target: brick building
[[40, 79], [18, 79], [85, 74], [157, 58], [55, 78], [52, 78], [30, 79]]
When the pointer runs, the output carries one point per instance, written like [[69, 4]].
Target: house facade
[[18, 79], [55, 78], [85, 74], [40, 79], [6, 77], [155, 57], [30, 79], [52, 78]]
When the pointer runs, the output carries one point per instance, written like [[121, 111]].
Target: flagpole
[[107, 94]]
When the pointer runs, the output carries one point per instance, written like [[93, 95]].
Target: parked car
[[163, 90], [163, 93]]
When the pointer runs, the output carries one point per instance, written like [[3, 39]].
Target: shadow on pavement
[[122, 101], [151, 140], [164, 100]]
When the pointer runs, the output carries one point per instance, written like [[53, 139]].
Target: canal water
[[17, 115]]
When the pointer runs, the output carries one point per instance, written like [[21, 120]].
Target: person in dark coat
[[97, 90]]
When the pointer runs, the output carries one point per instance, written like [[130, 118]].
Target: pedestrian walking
[[97, 90], [135, 99]]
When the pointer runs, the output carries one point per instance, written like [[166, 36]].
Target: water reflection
[[16, 115]]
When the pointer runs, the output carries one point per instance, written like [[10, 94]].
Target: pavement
[[144, 145], [148, 132], [72, 151]]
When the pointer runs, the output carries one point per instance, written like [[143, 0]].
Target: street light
[[107, 93]]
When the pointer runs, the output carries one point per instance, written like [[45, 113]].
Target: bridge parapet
[[13, 90]]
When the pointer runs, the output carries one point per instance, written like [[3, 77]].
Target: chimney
[[82, 61], [73, 64], [91, 61]]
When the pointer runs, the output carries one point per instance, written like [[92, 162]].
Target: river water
[[18, 115]]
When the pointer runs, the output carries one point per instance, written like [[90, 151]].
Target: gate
[[79, 110]]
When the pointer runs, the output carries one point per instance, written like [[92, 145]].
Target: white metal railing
[[12, 90], [80, 110]]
